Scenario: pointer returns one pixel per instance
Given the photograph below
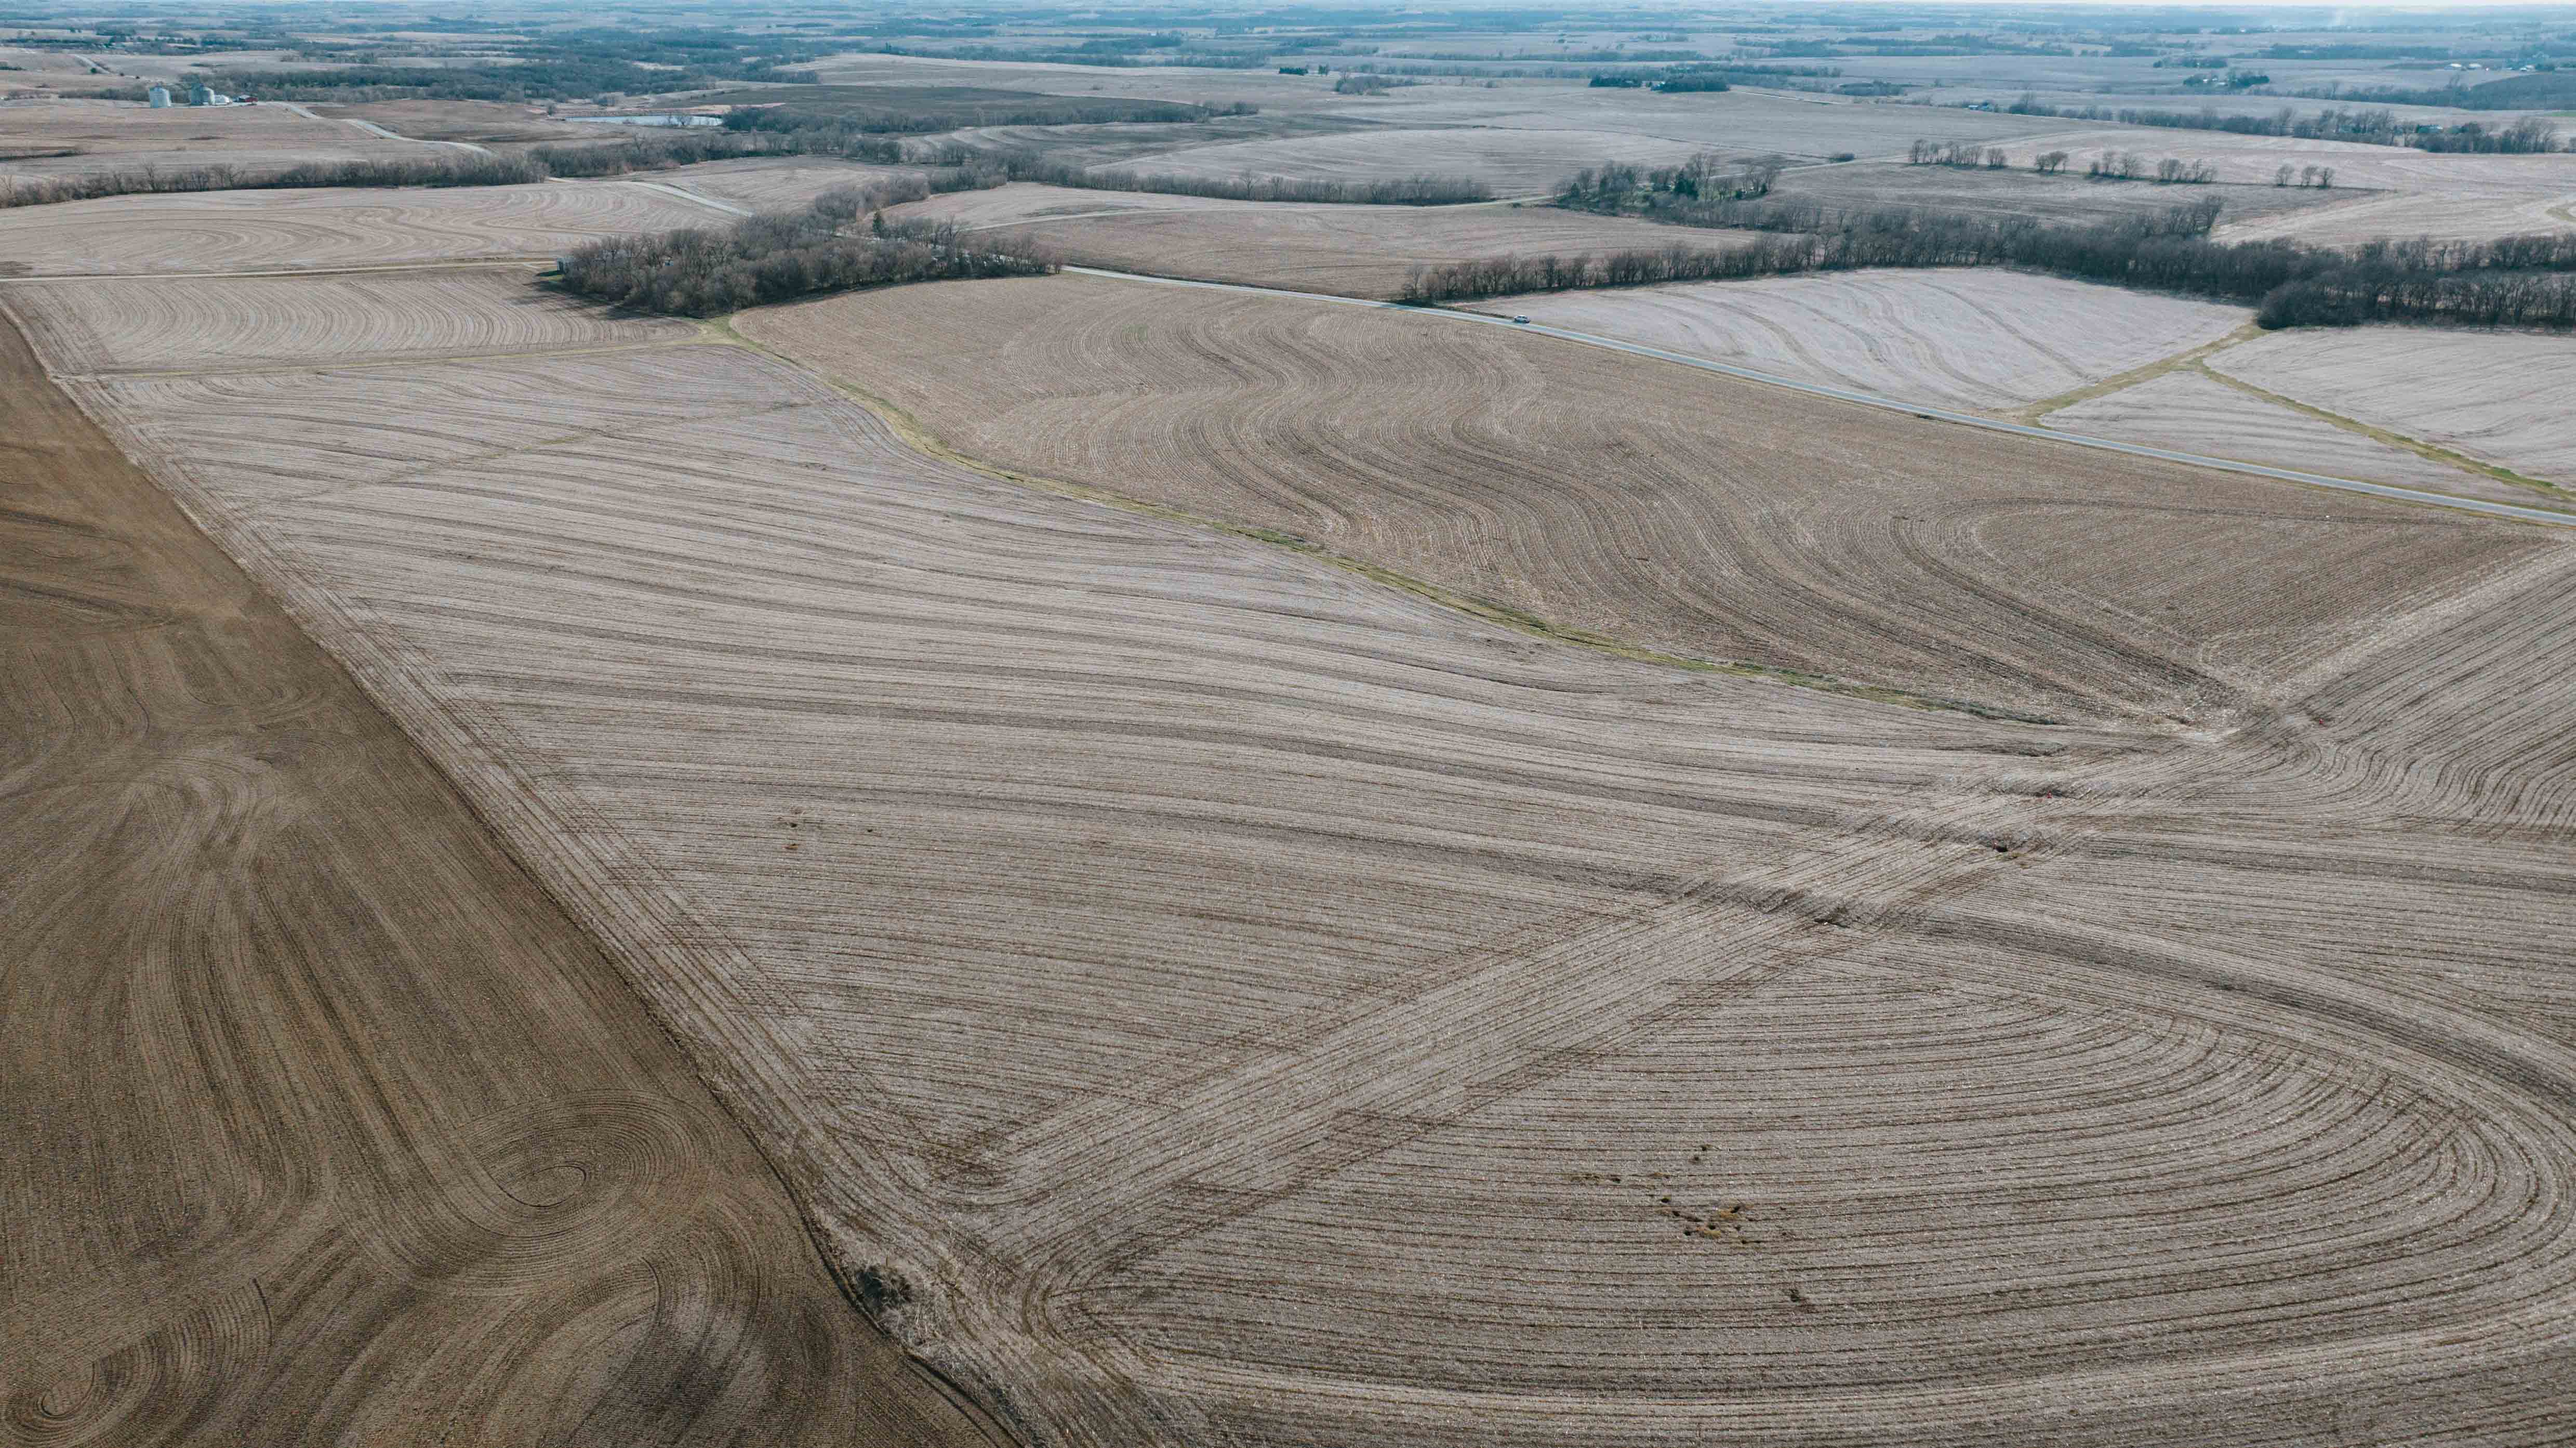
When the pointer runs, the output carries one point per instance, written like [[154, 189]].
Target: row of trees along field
[[570, 159], [2108, 166], [2369, 125], [2514, 281], [704, 272], [652, 153]]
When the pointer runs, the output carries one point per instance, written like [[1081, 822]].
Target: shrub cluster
[[1619, 187], [704, 272]]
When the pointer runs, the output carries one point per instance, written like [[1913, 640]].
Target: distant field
[[2021, 193], [1967, 338], [1364, 251], [2502, 397], [1513, 162], [1647, 502], [2403, 192], [2199, 414], [146, 324], [488, 123], [68, 138], [773, 183], [260, 230]]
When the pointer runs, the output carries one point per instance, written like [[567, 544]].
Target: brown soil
[[1677, 510], [326, 1123]]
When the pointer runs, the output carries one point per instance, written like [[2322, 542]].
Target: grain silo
[[159, 95]]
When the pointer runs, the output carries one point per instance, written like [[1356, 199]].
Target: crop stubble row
[[1405, 966]]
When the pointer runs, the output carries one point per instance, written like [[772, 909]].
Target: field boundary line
[[665, 189], [2430, 452], [910, 431], [1926, 411], [2189, 356]]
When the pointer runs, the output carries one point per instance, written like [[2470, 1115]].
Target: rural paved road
[[372, 129], [1871, 399], [726, 207]]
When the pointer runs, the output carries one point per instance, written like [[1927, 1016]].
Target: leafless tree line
[[703, 272], [2516, 281]]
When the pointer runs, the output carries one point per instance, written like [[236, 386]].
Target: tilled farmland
[[1688, 513], [1599, 1054], [370, 1103], [1360, 251], [1975, 339], [236, 231], [144, 325], [2491, 396], [1118, 861]]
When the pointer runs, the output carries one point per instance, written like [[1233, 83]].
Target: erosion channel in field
[[1498, 1041]]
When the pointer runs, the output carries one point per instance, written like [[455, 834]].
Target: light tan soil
[[2501, 397], [130, 136], [341, 227], [1360, 251], [1251, 1004], [1656, 505], [1969, 338], [143, 324]]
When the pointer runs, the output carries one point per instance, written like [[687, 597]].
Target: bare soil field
[[486, 123], [1497, 1042], [2405, 192], [1513, 162], [774, 183], [2501, 397], [312, 1087], [1969, 338], [1360, 251], [2070, 199], [1747, 121], [2198, 413], [68, 137], [1667, 508], [153, 324], [309, 230]]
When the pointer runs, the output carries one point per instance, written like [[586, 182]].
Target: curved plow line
[[913, 435], [1925, 411]]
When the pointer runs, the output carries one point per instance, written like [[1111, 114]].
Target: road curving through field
[[1869, 399]]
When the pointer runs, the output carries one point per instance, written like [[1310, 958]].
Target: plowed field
[[1661, 507], [149, 324], [2201, 414], [211, 231], [1241, 1002], [1972, 339], [326, 1124], [67, 137], [2497, 396], [1362, 251]]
